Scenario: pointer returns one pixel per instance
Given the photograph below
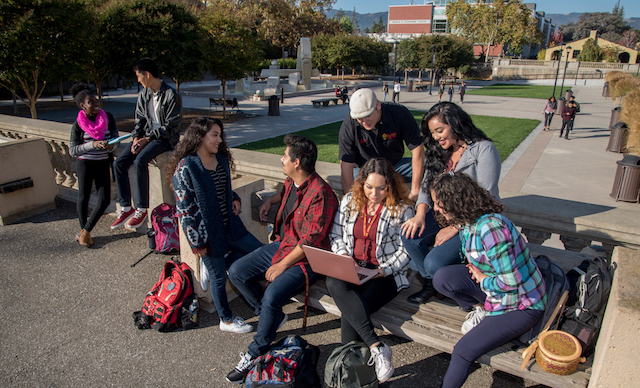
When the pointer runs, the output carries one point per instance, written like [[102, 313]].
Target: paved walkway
[[66, 316]]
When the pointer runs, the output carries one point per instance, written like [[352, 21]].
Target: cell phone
[[136, 146]]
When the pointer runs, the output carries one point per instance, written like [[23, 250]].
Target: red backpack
[[165, 229], [171, 303]]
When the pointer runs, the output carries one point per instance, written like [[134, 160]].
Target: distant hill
[[367, 19]]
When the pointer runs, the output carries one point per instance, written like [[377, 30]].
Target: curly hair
[[436, 157], [80, 91], [192, 140], [462, 199], [397, 192]]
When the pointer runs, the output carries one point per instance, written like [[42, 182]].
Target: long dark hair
[[397, 193], [462, 199], [436, 157], [192, 139]]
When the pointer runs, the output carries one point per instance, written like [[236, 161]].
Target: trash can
[[626, 184], [560, 107], [605, 90], [567, 94], [274, 106], [618, 132], [615, 113], [410, 86]]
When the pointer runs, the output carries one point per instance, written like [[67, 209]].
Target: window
[[576, 53]]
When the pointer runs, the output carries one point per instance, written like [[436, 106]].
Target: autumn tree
[[492, 22], [230, 47], [40, 42]]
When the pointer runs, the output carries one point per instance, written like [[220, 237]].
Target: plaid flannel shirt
[[310, 220], [513, 281]]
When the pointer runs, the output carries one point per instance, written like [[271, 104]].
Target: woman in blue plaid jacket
[[500, 283]]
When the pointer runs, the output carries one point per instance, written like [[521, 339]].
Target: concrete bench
[[324, 102]]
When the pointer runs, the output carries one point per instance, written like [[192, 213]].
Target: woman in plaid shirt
[[500, 283], [367, 228]]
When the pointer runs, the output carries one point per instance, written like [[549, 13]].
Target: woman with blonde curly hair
[[367, 228]]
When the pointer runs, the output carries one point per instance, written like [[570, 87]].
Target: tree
[[341, 50], [165, 31], [450, 52], [346, 25], [556, 37], [378, 27], [610, 25], [491, 22], [629, 39], [590, 52], [40, 43], [230, 47]]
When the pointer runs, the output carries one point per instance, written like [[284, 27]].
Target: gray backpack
[[347, 367]]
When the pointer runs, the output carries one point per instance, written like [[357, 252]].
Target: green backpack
[[347, 367]]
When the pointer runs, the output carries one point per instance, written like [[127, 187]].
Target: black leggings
[[547, 119], [90, 171], [358, 302]]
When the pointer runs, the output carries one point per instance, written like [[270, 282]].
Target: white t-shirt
[[154, 105], [396, 88]]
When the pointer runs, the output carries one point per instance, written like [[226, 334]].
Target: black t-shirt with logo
[[396, 126]]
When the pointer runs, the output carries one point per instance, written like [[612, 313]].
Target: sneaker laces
[[238, 321], [139, 213], [245, 362], [378, 358], [475, 316]]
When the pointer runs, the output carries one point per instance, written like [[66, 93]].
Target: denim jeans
[[246, 273], [141, 165], [403, 167], [217, 268], [426, 261]]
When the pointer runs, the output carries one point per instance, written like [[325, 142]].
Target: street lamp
[[395, 59], [565, 69], [433, 57], [557, 71]]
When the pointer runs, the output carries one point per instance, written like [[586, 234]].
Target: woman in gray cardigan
[[453, 144]]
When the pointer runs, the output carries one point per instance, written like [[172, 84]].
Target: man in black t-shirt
[[373, 130]]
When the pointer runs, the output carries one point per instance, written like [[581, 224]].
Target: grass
[[506, 133], [521, 91]]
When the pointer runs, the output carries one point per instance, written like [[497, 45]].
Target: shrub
[[630, 114]]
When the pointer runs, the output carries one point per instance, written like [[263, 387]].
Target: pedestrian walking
[[450, 91]]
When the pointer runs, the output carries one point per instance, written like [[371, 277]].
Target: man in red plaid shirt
[[305, 217]]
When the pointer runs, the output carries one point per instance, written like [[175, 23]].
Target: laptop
[[337, 266]]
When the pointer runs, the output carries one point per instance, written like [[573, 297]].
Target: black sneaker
[[241, 370]]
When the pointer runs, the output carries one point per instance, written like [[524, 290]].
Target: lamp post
[[565, 69], [395, 59], [557, 71], [433, 57]]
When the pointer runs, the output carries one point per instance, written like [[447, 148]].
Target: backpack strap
[[306, 295]]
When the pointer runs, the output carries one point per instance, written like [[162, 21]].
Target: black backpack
[[588, 295], [347, 367], [290, 362], [556, 283]]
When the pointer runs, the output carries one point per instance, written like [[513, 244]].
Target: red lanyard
[[367, 224]]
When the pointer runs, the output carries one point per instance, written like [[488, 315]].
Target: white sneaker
[[381, 357], [236, 326], [473, 318]]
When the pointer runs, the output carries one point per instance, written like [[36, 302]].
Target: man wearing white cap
[[373, 130]]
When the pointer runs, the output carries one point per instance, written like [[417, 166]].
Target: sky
[[631, 7]]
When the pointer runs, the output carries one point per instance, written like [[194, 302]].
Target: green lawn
[[524, 91], [506, 134]]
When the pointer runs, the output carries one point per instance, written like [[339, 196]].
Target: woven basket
[[558, 352]]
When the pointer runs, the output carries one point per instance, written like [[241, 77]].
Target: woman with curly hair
[[208, 209], [453, 143], [88, 143], [500, 282], [367, 228]]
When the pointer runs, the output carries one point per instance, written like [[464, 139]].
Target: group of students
[[462, 89], [568, 115], [343, 94], [454, 236]]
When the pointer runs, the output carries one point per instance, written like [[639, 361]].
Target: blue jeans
[[426, 261], [247, 272], [140, 163], [217, 267], [403, 167]]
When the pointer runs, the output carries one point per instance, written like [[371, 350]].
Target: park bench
[[324, 102], [421, 86], [231, 103]]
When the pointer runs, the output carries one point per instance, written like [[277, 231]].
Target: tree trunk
[[405, 76], [32, 108], [99, 91], [177, 82], [223, 84], [61, 91]]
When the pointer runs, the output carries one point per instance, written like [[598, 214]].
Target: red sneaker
[[122, 218], [138, 219]]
